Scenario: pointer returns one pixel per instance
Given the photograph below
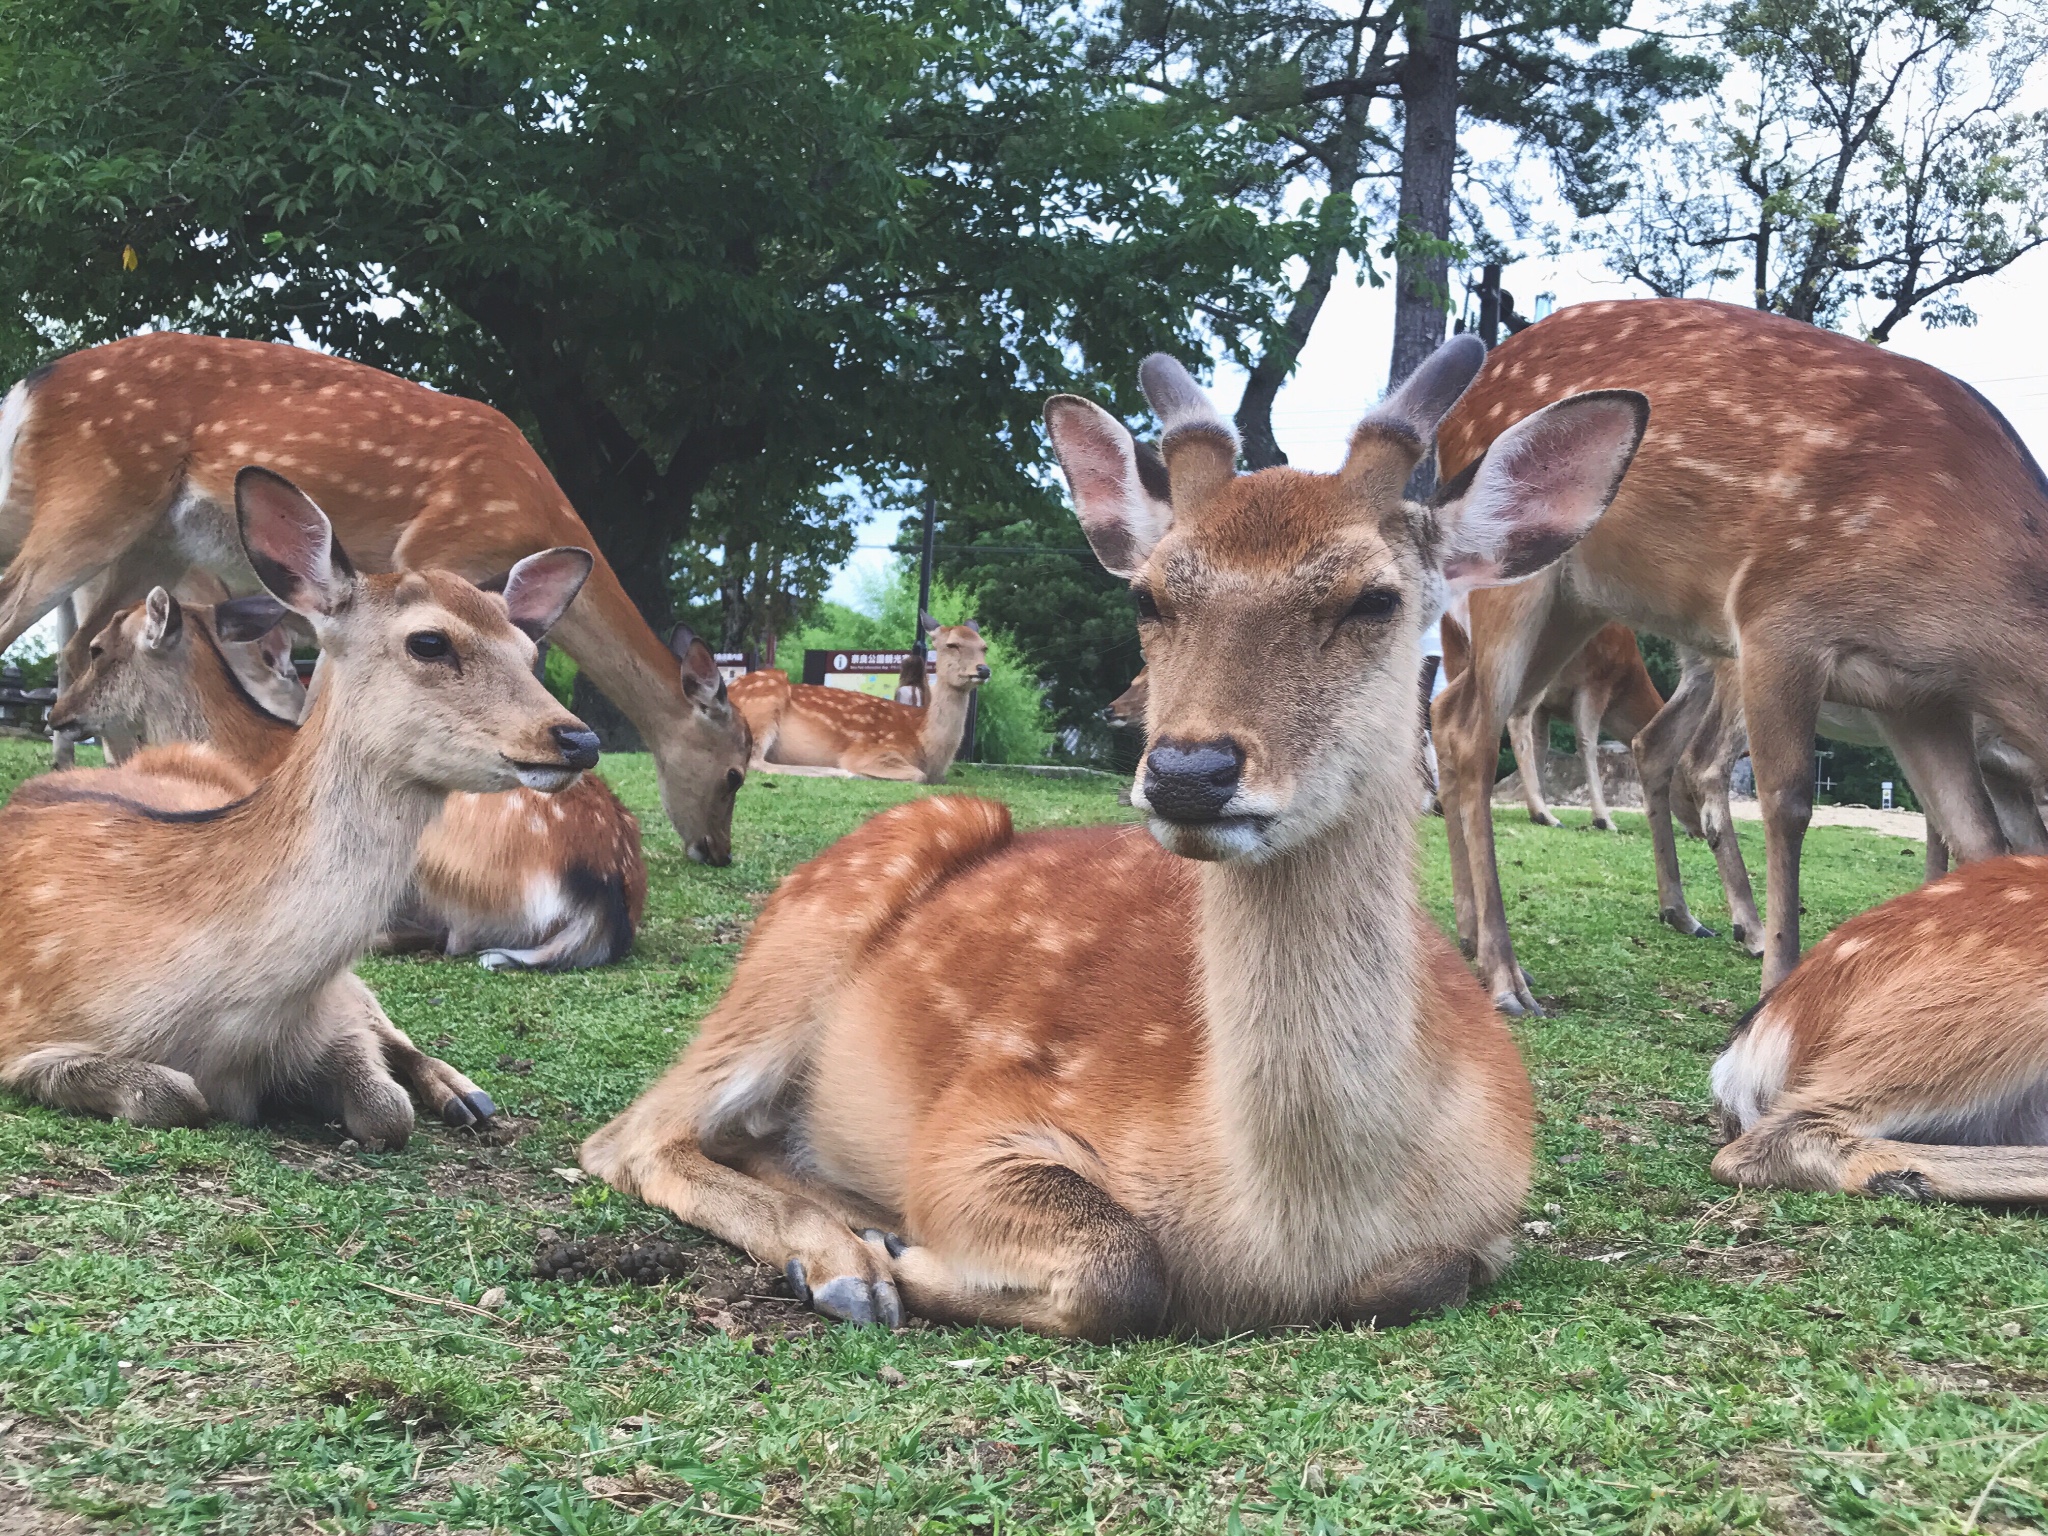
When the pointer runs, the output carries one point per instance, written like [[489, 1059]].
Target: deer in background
[[523, 880], [1218, 1075], [210, 974], [1906, 1055], [1604, 687], [1872, 539], [117, 467], [1688, 755], [802, 727]]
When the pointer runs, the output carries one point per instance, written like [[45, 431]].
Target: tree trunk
[[735, 614], [1429, 150]]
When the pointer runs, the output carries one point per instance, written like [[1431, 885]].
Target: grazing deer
[[1224, 1076], [1907, 1054], [1604, 687], [1807, 533], [1688, 755], [211, 975], [802, 726], [523, 880], [117, 467]]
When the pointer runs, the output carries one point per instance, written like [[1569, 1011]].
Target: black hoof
[[1702, 931], [850, 1299], [793, 1272], [1906, 1183], [457, 1113], [888, 1240], [480, 1103]]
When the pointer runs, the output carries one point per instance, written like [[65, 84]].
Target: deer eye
[[1148, 606], [1375, 604], [733, 780], [96, 651], [429, 645]]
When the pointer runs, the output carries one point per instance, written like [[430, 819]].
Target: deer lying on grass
[[1604, 687], [116, 472], [1873, 540], [212, 976], [802, 726], [1224, 1076], [1688, 755], [1906, 1054], [522, 880]]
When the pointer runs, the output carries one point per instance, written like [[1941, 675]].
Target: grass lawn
[[232, 1330]]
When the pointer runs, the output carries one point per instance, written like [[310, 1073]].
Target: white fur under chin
[[1240, 838], [546, 781]]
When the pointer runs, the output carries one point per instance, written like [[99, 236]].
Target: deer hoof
[[888, 1240], [456, 1113], [1906, 1183], [1601, 824], [854, 1300], [793, 1272], [481, 1103]]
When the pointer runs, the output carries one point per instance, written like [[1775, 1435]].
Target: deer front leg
[[828, 1265], [1008, 1237], [1658, 747], [376, 1071], [1436, 1280], [1529, 750], [87, 1079], [1781, 703], [1587, 708]]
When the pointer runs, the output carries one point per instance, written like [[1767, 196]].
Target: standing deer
[[210, 975], [116, 472], [1907, 1054], [1604, 687], [523, 880], [1875, 540], [1226, 1075], [802, 726]]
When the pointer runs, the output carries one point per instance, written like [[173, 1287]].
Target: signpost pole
[[924, 565]]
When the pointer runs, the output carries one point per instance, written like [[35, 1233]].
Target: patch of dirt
[[20, 1514], [1618, 1132], [1739, 1262], [1972, 1380], [1766, 1474]]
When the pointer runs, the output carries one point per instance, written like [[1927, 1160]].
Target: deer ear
[[1418, 407], [975, 625], [542, 586], [927, 623], [1121, 513], [247, 618], [1539, 488], [291, 544], [703, 683], [163, 621]]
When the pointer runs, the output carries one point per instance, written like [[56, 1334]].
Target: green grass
[[201, 1332]]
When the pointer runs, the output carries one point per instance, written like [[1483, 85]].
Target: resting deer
[[1225, 1075], [211, 975], [523, 880], [803, 726], [116, 472], [1907, 1054], [1604, 687], [1688, 754], [1870, 537]]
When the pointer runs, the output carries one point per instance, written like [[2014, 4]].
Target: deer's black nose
[[1192, 781], [982, 673], [578, 745]]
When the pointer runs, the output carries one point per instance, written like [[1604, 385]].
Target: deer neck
[[945, 720], [330, 841], [1310, 973]]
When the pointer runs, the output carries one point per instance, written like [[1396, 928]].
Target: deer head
[[1280, 612], [959, 650], [724, 736], [434, 676]]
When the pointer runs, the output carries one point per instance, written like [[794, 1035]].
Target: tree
[[729, 251], [1359, 101], [1866, 157]]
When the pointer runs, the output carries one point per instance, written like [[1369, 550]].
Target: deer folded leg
[[1433, 1281], [379, 1058], [1015, 1241], [82, 1077], [1813, 1149], [828, 1265]]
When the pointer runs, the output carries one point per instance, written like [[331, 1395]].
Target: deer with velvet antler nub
[[1218, 1072]]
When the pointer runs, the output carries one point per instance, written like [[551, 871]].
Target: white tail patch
[[13, 417], [1750, 1073]]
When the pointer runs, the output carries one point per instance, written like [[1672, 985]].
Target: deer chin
[[1223, 840], [545, 778]]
